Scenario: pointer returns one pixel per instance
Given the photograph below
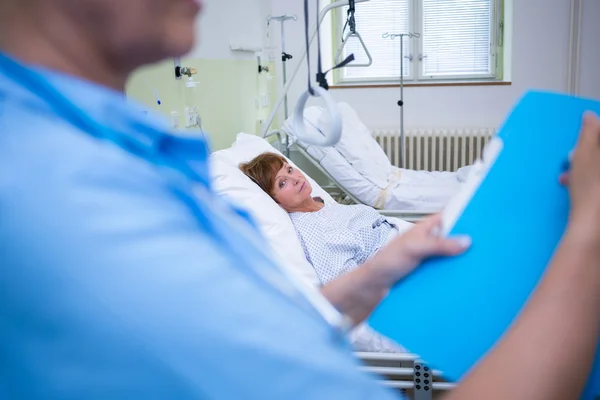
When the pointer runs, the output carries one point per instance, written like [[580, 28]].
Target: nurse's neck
[[53, 41]]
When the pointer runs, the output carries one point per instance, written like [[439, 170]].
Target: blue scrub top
[[122, 273]]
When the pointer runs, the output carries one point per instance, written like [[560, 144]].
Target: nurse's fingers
[[563, 179], [584, 173], [438, 246]]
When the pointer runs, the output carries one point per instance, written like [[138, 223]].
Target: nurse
[[125, 276]]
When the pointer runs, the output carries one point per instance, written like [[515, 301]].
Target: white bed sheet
[[423, 190]]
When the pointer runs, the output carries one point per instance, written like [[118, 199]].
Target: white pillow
[[247, 146], [273, 220], [358, 146]]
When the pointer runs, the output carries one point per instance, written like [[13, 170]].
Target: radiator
[[434, 149]]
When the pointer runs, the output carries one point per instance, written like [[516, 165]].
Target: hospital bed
[[360, 168], [400, 370]]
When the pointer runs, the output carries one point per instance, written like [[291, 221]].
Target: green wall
[[225, 95]]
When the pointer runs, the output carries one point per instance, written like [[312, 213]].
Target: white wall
[[227, 82], [540, 44], [589, 84], [223, 21]]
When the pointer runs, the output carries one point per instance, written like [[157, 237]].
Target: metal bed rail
[[406, 372]]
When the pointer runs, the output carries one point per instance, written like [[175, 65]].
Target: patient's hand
[[403, 254], [359, 291]]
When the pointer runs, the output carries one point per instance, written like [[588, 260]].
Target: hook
[[392, 36], [282, 18]]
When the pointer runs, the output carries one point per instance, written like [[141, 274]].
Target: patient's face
[[291, 188]]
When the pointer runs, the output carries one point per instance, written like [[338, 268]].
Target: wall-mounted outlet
[[175, 119]]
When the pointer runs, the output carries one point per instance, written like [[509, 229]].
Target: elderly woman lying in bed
[[336, 238]]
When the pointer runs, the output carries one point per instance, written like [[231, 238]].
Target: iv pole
[[410, 35], [284, 55]]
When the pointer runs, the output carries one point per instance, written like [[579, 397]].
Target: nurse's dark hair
[[263, 169]]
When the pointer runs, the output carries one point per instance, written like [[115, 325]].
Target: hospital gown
[[338, 238]]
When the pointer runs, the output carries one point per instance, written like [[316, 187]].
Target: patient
[[336, 238]]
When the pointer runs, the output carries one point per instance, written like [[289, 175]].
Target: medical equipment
[[284, 56], [334, 130], [351, 24], [310, 35], [264, 88], [261, 68], [191, 111], [181, 71], [400, 103]]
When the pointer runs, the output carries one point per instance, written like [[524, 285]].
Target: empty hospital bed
[[399, 369], [359, 166]]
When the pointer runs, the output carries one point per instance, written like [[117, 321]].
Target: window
[[457, 40]]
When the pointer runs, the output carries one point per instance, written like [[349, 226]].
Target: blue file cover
[[451, 311]]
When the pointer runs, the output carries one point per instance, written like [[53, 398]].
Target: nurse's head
[[282, 181], [101, 40]]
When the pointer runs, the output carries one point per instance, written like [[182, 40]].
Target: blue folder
[[451, 311]]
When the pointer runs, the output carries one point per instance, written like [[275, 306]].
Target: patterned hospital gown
[[338, 238]]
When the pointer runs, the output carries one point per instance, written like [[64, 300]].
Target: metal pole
[[284, 55], [283, 59], [285, 99], [313, 33], [401, 102]]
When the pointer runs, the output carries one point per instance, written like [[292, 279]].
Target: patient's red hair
[[263, 169]]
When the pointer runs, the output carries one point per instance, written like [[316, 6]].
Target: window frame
[[415, 49]]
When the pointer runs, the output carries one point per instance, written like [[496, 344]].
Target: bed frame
[[407, 373]]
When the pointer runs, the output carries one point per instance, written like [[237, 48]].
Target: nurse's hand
[[359, 291], [403, 254], [583, 179]]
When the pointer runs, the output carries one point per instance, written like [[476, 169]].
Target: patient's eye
[[281, 183], [290, 169]]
